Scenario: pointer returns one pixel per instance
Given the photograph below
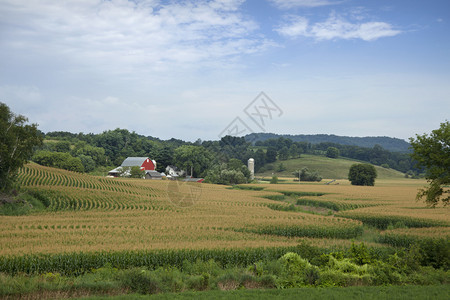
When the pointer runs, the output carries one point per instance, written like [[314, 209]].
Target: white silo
[[251, 168]]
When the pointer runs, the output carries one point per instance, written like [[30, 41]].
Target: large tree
[[189, 157], [362, 174], [17, 142], [432, 152], [332, 152]]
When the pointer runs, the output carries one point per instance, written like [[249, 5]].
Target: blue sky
[[187, 69]]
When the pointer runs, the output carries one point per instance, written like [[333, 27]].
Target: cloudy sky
[[188, 69]]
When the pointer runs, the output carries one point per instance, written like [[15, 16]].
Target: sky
[[204, 69]]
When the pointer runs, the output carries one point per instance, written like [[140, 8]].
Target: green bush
[[385, 274], [198, 282], [25, 203], [296, 272], [140, 281], [333, 277], [274, 180], [360, 254], [170, 279], [200, 267]]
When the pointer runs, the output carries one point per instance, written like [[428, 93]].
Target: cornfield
[[78, 263], [92, 220]]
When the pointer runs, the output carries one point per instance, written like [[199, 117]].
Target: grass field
[[329, 168]]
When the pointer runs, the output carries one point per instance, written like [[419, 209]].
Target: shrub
[[307, 175], [170, 279], [140, 281], [274, 180], [360, 254], [198, 282], [296, 271], [384, 274], [200, 267]]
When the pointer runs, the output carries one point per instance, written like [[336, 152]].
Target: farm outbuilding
[[173, 171], [191, 179], [153, 175]]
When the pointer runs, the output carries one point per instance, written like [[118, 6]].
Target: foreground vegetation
[[178, 271]]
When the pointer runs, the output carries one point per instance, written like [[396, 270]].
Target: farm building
[[152, 175], [144, 163], [191, 179], [173, 171]]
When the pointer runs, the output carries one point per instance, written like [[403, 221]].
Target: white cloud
[[298, 26], [336, 27], [121, 36], [288, 4]]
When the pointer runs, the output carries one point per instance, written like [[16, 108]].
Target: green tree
[[17, 143], [295, 151], [432, 152], [260, 159], [362, 174], [284, 153], [136, 172], [163, 157], [332, 152], [233, 172], [96, 153], [61, 160], [229, 174], [271, 155], [197, 157], [281, 168], [307, 175], [62, 146], [88, 162]]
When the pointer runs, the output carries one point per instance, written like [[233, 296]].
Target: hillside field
[[329, 168]]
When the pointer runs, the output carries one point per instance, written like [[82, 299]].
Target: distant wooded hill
[[388, 143]]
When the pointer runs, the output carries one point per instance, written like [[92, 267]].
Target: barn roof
[[133, 161]]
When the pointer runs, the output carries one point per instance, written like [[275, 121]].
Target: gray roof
[[190, 179], [133, 161], [153, 173], [116, 170]]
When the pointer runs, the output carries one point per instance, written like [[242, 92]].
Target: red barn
[[144, 162]]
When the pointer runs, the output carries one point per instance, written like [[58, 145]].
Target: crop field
[[88, 213]]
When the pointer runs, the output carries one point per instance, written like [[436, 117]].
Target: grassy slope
[[327, 167]]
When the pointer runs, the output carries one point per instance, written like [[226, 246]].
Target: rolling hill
[[388, 143], [330, 168]]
